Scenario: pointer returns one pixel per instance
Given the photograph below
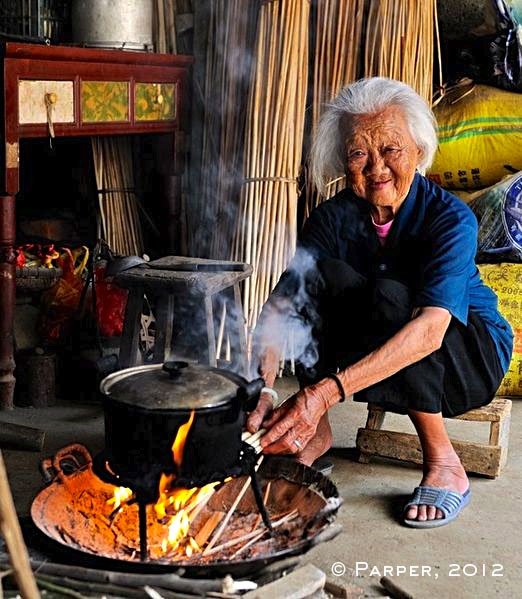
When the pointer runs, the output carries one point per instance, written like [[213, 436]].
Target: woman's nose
[[375, 164]]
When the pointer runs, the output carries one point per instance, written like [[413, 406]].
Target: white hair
[[368, 96]]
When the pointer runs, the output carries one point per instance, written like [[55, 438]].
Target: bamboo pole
[[10, 529]]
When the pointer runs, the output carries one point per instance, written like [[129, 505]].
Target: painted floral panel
[[105, 101], [155, 101]]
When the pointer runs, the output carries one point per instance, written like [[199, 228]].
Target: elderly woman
[[391, 293]]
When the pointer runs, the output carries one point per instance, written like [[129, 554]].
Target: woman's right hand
[[262, 412], [268, 366]]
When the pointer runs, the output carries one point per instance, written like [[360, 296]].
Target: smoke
[[290, 318]]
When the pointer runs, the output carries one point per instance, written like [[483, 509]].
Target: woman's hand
[[292, 426], [268, 366], [263, 409]]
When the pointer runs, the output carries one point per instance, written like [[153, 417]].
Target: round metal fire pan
[[61, 553], [272, 468]]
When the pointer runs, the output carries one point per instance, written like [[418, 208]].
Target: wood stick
[[71, 587], [208, 528], [252, 437], [249, 535], [394, 589], [248, 544], [10, 529], [17, 436], [61, 590], [169, 581], [231, 510], [221, 330]]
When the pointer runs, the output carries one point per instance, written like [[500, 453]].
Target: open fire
[[182, 487], [176, 508], [82, 512]]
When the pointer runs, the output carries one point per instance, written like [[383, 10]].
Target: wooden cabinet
[[61, 91]]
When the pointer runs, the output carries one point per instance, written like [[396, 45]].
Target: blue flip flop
[[449, 502]]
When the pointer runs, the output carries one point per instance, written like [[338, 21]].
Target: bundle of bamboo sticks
[[164, 26], [120, 223], [337, 49], [267, 220], [400, 42]]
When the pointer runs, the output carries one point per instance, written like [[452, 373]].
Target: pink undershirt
[[382, 230]]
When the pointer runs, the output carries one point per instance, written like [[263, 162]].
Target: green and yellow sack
[[480, 137]]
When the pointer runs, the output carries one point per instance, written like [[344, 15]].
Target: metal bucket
[[122, 24]]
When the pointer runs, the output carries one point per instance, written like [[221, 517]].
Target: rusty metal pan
[[69, 473]]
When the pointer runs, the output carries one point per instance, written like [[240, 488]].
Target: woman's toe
[[411, 514], [431, 512], [422, 515], [439, 515]]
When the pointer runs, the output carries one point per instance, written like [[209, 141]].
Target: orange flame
[[178, 447], [121, 495], [176, 508]]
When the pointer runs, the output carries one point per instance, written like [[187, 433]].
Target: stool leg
[[131, 329], [499, 436], [211, 337], [164, 325], [375, 418], [374, 421], [241, 331]]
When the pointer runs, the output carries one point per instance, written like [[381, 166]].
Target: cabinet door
[[33, 98], [105, 101], [155, 101]]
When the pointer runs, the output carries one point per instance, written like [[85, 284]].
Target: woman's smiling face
[[381, 157]]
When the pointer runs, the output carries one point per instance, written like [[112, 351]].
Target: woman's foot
[[445, 472]]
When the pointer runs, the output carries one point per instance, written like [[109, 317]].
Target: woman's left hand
[[294, 424]]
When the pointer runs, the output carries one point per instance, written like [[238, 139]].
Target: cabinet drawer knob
[[51, 97]]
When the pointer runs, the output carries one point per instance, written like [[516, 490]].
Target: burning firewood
[[208, 528]]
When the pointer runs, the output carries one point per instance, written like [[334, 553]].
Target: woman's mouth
[[378, 185]]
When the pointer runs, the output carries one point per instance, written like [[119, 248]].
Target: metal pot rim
[[213, 393]]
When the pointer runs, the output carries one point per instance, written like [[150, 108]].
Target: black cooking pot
[[144, 409]]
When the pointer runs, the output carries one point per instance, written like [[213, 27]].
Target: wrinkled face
[[381, 157]]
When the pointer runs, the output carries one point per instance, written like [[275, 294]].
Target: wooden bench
[[480, 458]]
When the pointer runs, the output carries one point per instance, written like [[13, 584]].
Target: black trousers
[[358, 315]]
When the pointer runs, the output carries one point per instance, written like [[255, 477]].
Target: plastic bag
[[483, 40], [111, 301], [61, 301], [499, 213]]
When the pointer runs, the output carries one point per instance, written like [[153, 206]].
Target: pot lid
[[170, 386]]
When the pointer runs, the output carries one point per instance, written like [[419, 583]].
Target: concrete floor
[[487, 533]]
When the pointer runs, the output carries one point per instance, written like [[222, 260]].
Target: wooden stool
[[475, 457], [179, 279]]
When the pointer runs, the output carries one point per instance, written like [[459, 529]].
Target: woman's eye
[[391, 150], [356, 154]]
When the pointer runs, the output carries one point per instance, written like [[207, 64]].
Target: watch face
[[512, 213]]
